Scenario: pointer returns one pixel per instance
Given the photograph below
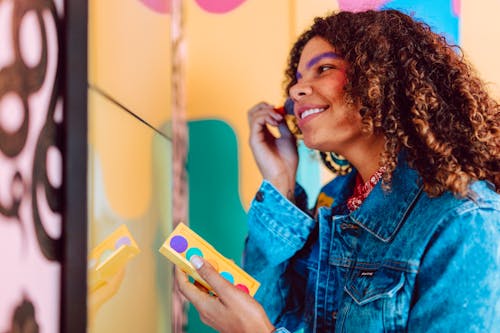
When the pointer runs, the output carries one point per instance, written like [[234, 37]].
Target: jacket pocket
[[367, 285]]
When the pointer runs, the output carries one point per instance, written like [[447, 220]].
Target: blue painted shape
[[438, 14], [308, 172]]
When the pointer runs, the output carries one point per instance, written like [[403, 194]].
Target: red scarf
[[361, 190]]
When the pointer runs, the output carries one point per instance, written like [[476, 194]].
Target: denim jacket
[[401, 262]]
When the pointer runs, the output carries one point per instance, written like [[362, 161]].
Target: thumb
[[210, 275]]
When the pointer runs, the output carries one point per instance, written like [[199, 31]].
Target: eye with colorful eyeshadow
[[324, 68]]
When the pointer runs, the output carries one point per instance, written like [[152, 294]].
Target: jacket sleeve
[[457, 287], [277, 229]]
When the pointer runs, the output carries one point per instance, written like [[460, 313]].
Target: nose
[[299, 90]]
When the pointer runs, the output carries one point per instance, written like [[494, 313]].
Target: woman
[[409, 240]]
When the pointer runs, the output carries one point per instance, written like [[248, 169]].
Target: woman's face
[[326, 121]]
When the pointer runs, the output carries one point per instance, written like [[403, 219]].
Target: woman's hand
[[232, 310], [276, 158]]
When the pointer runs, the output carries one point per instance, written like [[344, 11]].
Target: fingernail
[[196, 261]]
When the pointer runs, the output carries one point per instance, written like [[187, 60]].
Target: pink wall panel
[[31, 117]]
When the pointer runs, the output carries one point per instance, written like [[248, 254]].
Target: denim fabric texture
[[401, 262]]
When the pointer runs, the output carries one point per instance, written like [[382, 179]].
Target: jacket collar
[[383, 212]]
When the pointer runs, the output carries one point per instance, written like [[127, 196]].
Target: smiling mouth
[[310, 112]]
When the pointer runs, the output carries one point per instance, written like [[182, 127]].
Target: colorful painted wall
[[236, 53], [145, 69]]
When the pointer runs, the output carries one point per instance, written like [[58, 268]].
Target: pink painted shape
[[219, 6], [11, 112], [360, 5], [30, 39], [54, 162], [456, 5], [160, 6]]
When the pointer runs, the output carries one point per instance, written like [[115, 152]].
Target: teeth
[[310, 112]]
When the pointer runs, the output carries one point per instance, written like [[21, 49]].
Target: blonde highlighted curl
[[418, 91]]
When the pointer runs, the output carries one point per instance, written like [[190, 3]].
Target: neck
[[366, 158]]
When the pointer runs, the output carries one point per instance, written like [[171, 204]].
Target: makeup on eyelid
[[316, 59]]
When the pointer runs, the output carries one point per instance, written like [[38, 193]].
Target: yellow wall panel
[[130, 183], [121, 142], [306, 10], [130, 57]]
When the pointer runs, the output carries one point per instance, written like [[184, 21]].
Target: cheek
[[350, 119], [336, 85], [354, 118], [342, 79]]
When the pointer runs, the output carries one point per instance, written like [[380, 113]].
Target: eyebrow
[[316, 59]]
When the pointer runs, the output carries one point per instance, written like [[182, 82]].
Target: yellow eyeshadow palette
[[110, 256], [184, 243]]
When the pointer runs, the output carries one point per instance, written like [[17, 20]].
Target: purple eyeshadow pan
[[179, 244], [122, 241]]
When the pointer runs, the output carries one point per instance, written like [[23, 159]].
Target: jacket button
[[259, 196]]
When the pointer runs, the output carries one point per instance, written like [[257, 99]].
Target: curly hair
[[419, 92]]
